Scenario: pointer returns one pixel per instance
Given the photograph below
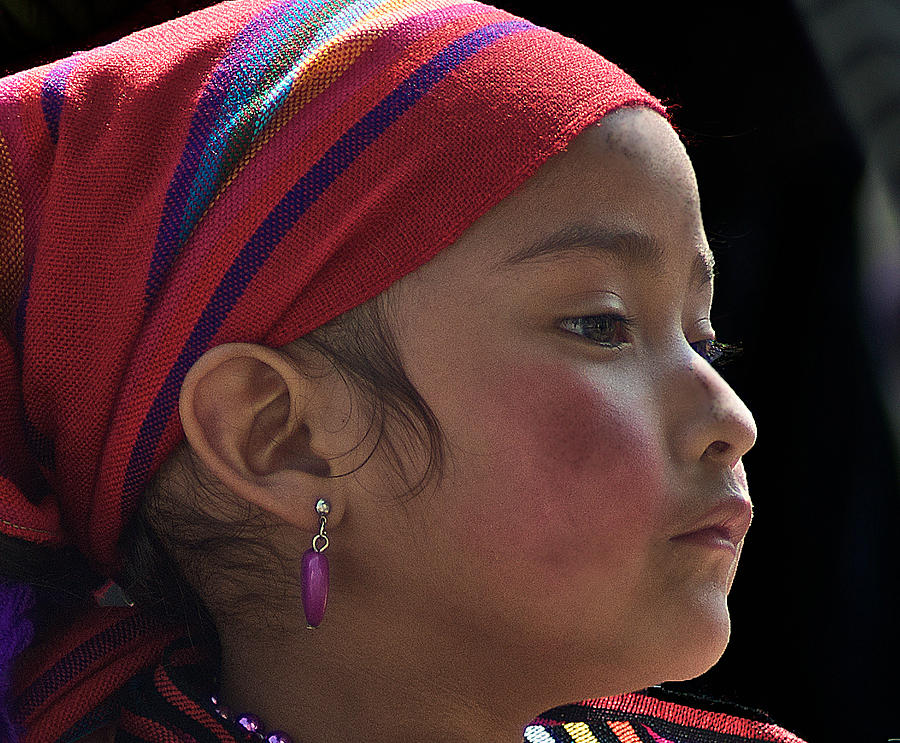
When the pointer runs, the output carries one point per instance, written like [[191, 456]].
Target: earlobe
[[245, 410]]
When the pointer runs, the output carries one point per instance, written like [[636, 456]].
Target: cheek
[[585, 477], [578, 430]]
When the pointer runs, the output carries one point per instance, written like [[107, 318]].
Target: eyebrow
[[629, 246]]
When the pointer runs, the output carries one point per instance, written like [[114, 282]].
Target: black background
[[814, 621]]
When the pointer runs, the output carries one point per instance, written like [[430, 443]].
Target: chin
[[704, 645], [693, 644], [685, 655]]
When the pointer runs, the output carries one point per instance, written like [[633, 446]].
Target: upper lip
[[730, 515]]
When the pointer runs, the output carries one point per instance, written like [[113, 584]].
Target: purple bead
[[278, 736], [249, 721], [314, 586]]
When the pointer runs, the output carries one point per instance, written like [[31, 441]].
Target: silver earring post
[[323, 508]]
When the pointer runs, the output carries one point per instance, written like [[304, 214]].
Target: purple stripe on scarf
[[280, 220], [53, 93], [73, 664], [231, 84]]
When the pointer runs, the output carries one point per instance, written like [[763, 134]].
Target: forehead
[[623, 189], [630, 169]]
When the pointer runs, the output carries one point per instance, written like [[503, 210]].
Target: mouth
[[714, 537], [723, 526]]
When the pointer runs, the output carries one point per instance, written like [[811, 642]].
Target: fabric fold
[[70, 683]]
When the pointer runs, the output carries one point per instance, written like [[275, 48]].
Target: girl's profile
[[359, 383]]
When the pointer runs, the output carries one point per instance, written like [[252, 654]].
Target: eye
[[604, 330], [715, 352], [612, 331]]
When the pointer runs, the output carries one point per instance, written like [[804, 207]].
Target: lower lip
[[711, 538]]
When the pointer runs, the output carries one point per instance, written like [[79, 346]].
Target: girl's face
[[585, 430]]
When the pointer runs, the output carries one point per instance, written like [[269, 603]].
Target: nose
[[712, 423]]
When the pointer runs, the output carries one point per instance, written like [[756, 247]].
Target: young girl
[[367, 347]]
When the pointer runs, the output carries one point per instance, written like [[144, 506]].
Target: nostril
[[718, 447], [720, 451]]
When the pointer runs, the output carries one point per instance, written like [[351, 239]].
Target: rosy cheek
[[585, 475]]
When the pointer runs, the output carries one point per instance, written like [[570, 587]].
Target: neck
[[319, 685], [373, 672]]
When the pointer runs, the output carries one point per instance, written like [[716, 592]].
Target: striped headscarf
[[243, 173]]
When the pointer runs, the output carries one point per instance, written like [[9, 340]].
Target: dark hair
[[180, 511]]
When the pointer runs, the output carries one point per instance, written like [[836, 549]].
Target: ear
[[254, 419]]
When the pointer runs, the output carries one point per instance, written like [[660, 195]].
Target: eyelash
[[714, 352]]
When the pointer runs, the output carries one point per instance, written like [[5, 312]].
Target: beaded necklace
[[251, 723]]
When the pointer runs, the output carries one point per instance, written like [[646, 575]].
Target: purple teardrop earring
[[314, 572]]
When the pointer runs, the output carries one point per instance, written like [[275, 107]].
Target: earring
[[314, 572]]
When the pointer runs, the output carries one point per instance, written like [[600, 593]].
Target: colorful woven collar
[[656, 715], [158, 683]]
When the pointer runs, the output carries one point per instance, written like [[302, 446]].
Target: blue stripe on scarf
[[347, 18], [261, 52], [282, 218]]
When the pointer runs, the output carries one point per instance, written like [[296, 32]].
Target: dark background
[[814, 617]]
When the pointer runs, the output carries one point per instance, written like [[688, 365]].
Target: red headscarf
[[243, 173]]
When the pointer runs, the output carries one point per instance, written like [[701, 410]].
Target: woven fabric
[[656, 715], [168, 700], [243, 173]]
